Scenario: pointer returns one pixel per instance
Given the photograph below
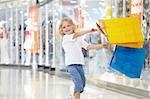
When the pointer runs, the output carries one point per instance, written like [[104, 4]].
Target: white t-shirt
[[73, 49]]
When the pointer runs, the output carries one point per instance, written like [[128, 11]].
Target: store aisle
[[26, 84]]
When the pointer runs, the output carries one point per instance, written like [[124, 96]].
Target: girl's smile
[[67, 28]]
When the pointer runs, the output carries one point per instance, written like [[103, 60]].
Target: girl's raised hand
[[93, 30], [105, 45]]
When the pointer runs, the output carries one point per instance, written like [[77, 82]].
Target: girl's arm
[[78, 34], [97, 46]]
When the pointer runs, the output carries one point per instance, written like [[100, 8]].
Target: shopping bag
[[128, 61], [123, 31]]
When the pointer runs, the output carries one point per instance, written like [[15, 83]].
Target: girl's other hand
[[105, 45]]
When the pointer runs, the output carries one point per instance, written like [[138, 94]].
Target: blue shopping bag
[[128, 61]]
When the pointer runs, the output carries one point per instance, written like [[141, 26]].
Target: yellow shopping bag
[[124, 31]]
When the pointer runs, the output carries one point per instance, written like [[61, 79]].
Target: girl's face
[[67, 28]]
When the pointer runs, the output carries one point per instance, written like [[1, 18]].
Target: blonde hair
[[70, 21]]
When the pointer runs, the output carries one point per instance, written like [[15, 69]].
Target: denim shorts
[[77, 74]]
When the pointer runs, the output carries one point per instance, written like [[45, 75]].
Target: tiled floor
[[26, 84]]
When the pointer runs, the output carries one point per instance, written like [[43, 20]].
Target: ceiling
[[94, 9]]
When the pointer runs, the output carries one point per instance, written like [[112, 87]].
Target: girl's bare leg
[[77, 95]]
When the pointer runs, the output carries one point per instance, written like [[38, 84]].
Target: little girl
[[72, 44]]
